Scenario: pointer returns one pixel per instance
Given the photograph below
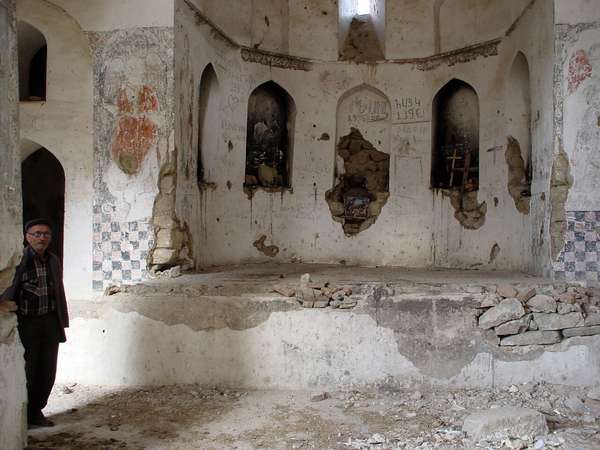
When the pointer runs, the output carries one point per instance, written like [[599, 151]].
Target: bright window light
[[363, 7]]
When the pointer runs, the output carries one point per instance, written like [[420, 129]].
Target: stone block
[[513, 326], [507, 309], [506, 421], [169, 238], [164, 256], [592, 319], [542, 303], [489, 300], [532, 338], [565, 308], [526, 294], [567, 297], [558, 321], [581, 331], [506, 291]]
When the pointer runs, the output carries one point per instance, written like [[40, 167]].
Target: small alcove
[[519, 148], [208, 103], [269, 138], [33, 52], [455, 153]]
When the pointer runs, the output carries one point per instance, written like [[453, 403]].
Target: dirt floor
[[190, 417]]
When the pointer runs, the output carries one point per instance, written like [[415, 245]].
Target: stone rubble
[[316, 295], [431, 418], [526, 317]]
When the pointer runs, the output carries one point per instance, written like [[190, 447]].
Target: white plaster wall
[[579, 64], [13, 396], [379, 13], [416, 226], [465, 22], [410, 29], [13, 393], [576, 11], [306, 349], [106, 15], [63, 125]]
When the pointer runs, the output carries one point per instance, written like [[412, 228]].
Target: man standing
[[39, 300]]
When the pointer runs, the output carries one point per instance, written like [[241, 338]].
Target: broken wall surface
[[13, 433], [576, 203], [228, 328], [416, 227]]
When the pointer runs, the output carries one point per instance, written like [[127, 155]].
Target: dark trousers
[[40, 336]]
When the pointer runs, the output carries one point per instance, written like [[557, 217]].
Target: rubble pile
[[524, 317], [322, 295]]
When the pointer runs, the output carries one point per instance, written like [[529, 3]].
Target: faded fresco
[[133, 119]]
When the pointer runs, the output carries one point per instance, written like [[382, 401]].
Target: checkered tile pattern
[[580, 258], [120, 250]]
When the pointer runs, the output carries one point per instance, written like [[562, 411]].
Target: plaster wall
[[416, 226], [109, 15], [267, 343], [13, 433], [577, 133], [465, 22], [63, 125], [410, 29]]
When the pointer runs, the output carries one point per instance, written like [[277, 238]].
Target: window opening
[[33, 53]]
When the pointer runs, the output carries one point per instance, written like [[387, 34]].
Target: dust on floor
[[191, 417]]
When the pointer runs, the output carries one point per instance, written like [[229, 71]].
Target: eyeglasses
[[39, 234]]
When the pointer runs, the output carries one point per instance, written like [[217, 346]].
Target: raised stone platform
[[229, 327]]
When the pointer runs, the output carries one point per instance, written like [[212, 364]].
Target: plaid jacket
[[15, 290], [37, 296]]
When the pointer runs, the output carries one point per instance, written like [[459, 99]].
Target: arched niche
[[43, 190], [455, 152], [269, 138], [208, 104], [519, 148], [33, 52], [362, 160]]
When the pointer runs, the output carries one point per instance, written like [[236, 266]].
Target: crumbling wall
[[575, 186], [133, 126], [519, 181], [13, 433], [390, 104], [363, 188]]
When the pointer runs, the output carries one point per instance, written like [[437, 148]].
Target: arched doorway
[[43, 187]]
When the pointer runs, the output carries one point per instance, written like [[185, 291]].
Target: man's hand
[[7, 306]]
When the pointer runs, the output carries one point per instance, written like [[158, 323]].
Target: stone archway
[[43, 187]]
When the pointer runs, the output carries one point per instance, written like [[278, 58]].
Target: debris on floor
[[189, 416]]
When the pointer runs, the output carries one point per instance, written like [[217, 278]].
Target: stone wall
[[13, 433]]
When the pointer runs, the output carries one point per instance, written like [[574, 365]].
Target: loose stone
[[558, 321], [542, 303], [581, 331], [508, 309], [532, 338], [506, 421]]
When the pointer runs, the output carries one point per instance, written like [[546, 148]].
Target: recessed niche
[[33, 53], [455, 154], [269, 139], [208, 103]]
